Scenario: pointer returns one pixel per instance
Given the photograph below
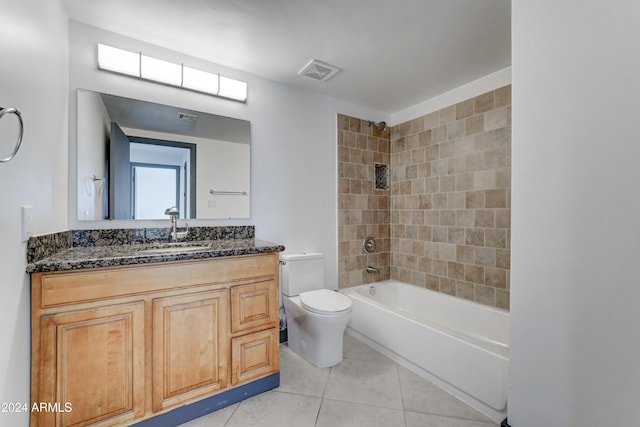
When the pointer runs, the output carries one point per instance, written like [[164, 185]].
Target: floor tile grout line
[[363, 404], [324, 392], [404, 408], [226, 423], [488, 423], [326, 384], [315, 423]]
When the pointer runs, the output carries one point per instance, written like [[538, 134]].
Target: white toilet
[[316, 317]]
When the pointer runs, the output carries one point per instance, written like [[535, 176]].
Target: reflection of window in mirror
[[161, 173], [155, 188]]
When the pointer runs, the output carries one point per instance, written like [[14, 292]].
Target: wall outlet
[[26, 223]]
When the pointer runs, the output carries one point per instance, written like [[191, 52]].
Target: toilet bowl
[[316, 317]]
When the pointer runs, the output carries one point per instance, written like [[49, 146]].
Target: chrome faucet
[[174, 234]]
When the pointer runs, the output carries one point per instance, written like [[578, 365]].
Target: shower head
[[381, 126]]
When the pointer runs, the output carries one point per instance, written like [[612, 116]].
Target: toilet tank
[[302, 272]]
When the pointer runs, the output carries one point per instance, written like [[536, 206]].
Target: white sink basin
[[173, 250]]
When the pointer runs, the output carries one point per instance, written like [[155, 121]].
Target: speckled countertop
[[63, 252]]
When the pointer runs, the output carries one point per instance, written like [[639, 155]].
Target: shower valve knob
[[369, 245]]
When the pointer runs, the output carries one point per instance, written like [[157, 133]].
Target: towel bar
[[227, 193], [11, 110]]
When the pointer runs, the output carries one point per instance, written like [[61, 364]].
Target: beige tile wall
[[445, 223], [362, 210], [451, 199]]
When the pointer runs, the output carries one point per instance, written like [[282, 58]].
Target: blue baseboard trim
[[211, 404]]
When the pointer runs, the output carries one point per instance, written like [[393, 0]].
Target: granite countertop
[[77, 258], [85, 249]]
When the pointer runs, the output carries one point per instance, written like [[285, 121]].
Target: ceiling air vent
[[319, 70]]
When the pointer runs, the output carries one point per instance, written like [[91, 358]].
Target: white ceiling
[[393, 54]]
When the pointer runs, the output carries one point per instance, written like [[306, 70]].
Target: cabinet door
[[92, 366], [189, 347], [254, 306], [254, 356]]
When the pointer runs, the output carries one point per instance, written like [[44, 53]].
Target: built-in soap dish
[[382, 176]]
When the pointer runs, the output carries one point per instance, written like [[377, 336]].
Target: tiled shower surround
[[363, 210], [450, 199]]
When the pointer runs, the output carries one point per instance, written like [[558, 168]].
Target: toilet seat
[[325, 301]]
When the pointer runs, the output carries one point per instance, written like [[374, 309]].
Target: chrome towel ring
[[12, 110]]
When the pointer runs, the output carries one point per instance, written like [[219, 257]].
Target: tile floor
[[365, 389]]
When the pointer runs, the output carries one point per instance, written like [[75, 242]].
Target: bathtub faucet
[[371, 269]]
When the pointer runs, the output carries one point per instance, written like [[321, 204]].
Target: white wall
[[33, 78], [223, 166], [94, 134], [293, 144], [575, 288]]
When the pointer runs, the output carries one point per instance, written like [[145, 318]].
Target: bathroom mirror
[[137, 158]]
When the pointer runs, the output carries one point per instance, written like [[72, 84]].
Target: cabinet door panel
[[93, 360], [189, 335], [254, 356], [254, 306]]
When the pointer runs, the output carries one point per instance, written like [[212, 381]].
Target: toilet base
[[317, 338]]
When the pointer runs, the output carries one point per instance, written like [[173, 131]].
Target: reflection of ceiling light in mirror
[[157, 70], [118, 60]]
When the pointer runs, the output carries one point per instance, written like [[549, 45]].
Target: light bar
[[234, 89], [169, 73], [118, 60], [160, 71], [200, 81]]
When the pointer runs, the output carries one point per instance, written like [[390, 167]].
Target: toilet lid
[[325, 301]]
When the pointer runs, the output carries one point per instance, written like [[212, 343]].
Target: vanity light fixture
[[231, 88], [200, 81], [118, 60], [160, 71], [148, 68]]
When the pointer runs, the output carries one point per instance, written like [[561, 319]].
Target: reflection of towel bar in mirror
[[11, 110], [227, 193]]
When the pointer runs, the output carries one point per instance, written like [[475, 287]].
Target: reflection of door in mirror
[[119, 174]]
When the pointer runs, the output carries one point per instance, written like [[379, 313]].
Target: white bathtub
[[459, 345]]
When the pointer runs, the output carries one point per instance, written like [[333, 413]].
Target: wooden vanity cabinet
[[189, 347], [91, 366], [254, 343], [115, 346]]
